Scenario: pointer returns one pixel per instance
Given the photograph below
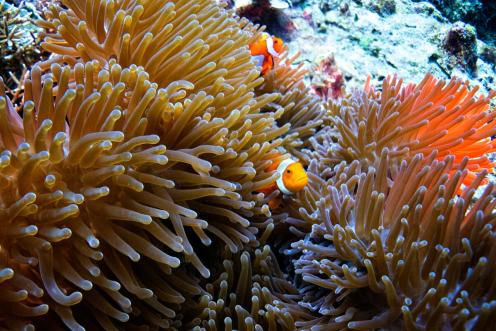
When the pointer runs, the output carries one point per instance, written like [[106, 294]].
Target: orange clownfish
[[264, 50], [292, 178]]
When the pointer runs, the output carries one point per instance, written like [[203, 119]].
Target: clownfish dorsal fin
[[280, 4]]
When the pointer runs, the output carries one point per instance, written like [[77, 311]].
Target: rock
[[408, 43], [479, 13], [460, 46], [488, 54], [429, 9], [269, 13], [383, 7]]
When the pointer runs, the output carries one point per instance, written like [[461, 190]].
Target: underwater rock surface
[[369, 37]]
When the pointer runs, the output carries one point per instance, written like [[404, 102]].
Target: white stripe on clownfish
[[270, 46], [280, 170]]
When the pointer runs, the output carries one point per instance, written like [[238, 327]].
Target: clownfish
[[292, 179], [264, 50]]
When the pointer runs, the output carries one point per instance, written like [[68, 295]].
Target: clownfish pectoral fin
[[275, 203], [259, 60]]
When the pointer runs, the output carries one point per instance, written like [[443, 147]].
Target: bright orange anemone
[[417, 118]]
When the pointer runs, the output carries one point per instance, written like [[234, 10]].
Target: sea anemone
[[217, 139], [296, 104], [75, 168], [411, 119], [247, 295], [132, 161], [249, 292], [398, 248], [172, 40]]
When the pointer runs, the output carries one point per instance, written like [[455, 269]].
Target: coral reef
[[19, 42], [488, 53], [383, 7], [408, 42], [460, 44], [456, 10]]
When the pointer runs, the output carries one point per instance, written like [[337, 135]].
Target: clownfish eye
[[288, 171]]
